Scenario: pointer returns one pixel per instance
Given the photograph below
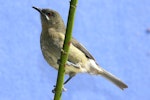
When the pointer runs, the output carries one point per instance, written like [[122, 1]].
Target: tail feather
[[93, 68], [114, 79]]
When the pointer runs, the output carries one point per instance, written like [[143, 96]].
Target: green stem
[[64, 54]]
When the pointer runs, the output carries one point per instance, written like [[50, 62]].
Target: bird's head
[[50, 18]]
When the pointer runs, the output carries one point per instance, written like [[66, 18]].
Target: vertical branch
[[65, 51]]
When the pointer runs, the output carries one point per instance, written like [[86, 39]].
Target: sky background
[[114, 32]]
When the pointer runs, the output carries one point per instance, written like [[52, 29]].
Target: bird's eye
[[49, 14]]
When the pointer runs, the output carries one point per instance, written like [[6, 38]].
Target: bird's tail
[[113, 79], [94, 68]]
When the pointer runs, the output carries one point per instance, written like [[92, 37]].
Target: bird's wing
[[80, 47]]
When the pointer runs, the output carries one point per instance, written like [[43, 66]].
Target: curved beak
[[38, 9]]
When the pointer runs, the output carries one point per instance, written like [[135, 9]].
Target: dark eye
[[50, 14]]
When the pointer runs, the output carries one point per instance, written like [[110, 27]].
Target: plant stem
[[65, 51]]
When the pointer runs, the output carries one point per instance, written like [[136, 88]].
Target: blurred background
[[116, 32]]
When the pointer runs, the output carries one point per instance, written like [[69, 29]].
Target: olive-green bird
[[79, 59]]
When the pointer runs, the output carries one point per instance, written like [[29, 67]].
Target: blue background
[[114, 31]]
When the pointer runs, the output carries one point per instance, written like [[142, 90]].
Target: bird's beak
[[38, 9]]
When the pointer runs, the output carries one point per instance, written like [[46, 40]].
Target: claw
[[58, 61], [63, 89], [63, 51]]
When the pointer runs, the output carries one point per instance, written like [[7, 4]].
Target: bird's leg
[[70, 77], [64, 89]]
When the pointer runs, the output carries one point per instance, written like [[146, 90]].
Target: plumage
[[79, 59]]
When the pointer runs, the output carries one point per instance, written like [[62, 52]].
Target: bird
[[79, 58]]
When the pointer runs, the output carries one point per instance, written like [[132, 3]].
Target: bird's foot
[[63, 89], [63, 52], [58, 61]]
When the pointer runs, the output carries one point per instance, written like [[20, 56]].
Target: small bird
[[79, 59]]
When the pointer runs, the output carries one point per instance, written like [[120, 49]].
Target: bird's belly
[[52, 53], [52, 60]]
